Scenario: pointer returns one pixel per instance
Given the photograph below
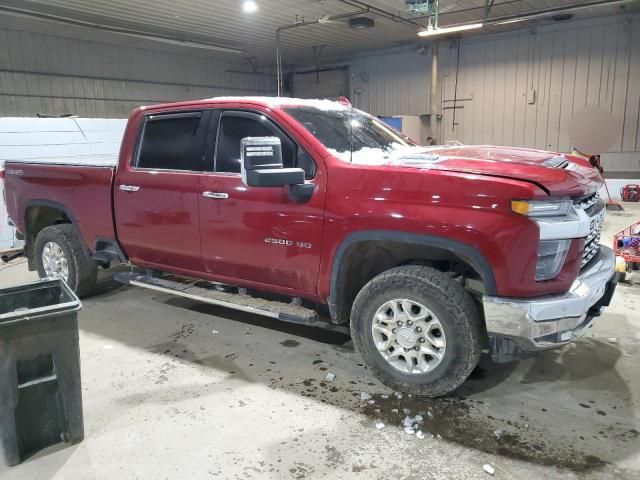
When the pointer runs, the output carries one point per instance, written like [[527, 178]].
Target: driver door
[[258, 235]]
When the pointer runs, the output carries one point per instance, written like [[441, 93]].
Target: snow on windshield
[[354, 136], [407, 155]]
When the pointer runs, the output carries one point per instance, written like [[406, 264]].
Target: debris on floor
[[612, 340], [364, 397], [489, 469], [380, 425], [330, 377], [412, 424], [419, 434], [497, 434]]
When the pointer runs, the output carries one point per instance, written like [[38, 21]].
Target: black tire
[[621, 276], [455, 310], [83, 270]]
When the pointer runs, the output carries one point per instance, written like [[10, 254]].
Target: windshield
[[345, 131]]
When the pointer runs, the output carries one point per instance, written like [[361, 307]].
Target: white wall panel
[[55, 140], [53, 75]]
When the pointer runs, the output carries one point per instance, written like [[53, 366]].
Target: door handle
[[129, 188], [215, 195]]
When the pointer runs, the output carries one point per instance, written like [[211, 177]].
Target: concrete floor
[[175, 389]]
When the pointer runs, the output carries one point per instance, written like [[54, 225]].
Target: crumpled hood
[[558, 174]]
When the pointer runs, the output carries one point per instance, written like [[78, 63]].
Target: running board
[[218, 294]]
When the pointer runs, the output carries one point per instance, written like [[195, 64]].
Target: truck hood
[[557, 174]]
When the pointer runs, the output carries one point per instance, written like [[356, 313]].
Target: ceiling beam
[[130, 32], [488, 4]]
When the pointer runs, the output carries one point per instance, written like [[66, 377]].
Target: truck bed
[[83, 192]]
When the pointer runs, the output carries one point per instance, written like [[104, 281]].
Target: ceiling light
[[249, 6], [431, 31]]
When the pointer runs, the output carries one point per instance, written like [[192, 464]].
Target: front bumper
[[517, 326]]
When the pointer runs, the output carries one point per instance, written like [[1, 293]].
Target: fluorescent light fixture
[[249, 6], [431, 31]]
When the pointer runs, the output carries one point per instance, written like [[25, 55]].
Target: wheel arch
[[388, 249], [39, 214]]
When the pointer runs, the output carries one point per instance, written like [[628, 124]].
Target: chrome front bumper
[[547, 322]]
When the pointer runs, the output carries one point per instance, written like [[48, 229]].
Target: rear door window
[[172, 142]]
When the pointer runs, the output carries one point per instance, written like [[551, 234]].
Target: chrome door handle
[[216, 195], [129, 188]]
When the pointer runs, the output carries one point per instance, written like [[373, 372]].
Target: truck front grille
[[592, 205], [586, 201], [592, 246]]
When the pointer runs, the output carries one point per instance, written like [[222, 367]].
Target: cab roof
[[269, 102]]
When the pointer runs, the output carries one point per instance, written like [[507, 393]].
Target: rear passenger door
[[156, 196]]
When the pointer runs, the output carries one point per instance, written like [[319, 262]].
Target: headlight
[[551, 257], [542, 208]]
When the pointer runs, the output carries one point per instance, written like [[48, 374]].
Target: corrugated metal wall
[[55, 75], [394, 83], [569, 66]]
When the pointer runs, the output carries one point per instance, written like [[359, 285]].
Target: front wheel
[[418, 330], [60, 253]]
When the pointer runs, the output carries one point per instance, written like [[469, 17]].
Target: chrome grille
[[589, 203], [591, 246]]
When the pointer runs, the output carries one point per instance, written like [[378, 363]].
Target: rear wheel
[[60, 253], [418, 330]]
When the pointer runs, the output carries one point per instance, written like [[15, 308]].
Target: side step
[[223, 296]]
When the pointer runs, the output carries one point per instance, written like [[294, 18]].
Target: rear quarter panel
[[84, 193]]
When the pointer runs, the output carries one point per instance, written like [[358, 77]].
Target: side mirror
[[261, 164]]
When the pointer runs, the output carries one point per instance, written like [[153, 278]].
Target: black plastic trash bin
[[40, 391]]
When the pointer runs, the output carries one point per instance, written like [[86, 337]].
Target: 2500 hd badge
[[287, 243]]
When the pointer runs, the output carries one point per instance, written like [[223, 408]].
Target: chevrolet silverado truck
[[286, 207]]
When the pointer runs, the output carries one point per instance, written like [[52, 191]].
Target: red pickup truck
[[282, 207]]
